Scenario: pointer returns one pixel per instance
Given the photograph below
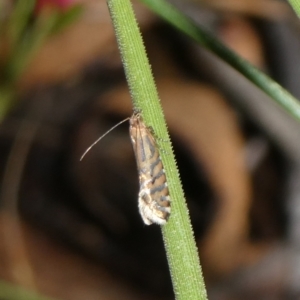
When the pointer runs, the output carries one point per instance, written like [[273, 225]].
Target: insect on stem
[[101, 137], [153, 199]]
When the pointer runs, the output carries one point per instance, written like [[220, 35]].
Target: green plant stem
[[296, 6], [6, 100], [28, 46], [18, 61], [178, 237], [21, 14], [26, 39], [9, 291], [186, 25]]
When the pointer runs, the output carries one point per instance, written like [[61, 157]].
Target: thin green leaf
[[296, 6], [67, 18], [19, 19], [175, 17]]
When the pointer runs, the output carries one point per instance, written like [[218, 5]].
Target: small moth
[[153, 197]]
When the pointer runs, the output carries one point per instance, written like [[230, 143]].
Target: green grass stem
[[178, 236]]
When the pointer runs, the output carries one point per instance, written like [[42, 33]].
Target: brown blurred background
[[71, 229]]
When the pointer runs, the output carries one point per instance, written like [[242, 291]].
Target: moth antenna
[[101, 137]]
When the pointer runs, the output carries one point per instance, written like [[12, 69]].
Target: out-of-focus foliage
[[236, 152], [24, 27]]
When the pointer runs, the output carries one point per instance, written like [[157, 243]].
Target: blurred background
[[71, 229]]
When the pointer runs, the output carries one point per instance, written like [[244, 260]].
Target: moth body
[[153, 197]]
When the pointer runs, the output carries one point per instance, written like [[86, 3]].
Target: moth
[[153, 198]]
